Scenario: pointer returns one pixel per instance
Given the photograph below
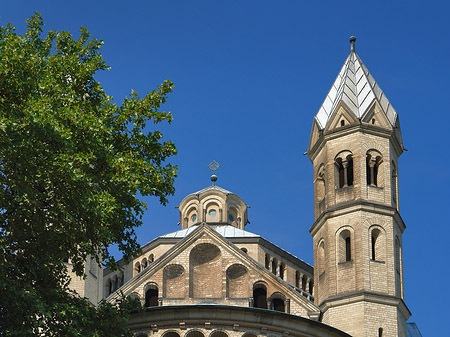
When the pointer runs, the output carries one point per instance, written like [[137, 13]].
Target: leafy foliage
[[71, 164]]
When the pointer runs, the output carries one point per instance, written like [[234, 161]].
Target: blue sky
[[251, 75]]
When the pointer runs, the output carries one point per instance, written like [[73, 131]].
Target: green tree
[[71, 164]]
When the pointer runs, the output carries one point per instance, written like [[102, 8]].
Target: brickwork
[[365, 211]]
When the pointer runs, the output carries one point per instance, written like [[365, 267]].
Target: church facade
[[212, 278]]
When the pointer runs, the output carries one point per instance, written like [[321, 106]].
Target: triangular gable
[[204, 231], [343, 114]]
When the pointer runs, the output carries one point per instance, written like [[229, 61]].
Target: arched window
[[278, 302], [394, 181], [345, 246], [310, 286], [151, 258], [244, 250], [274, 266], [304, 283], [378, 245], [297, 279], [137, 268], [151, 296], [282, 270], [267, 261], [321, 257], [344, 169], [144, 263], [373, 162], [320, 187], [260, 296]]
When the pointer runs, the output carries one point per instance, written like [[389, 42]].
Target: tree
[[71, 164]]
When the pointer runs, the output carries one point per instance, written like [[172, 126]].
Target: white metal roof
[[224, 230], [356, 87]]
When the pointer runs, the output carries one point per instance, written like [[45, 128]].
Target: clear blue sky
[[251, 75]]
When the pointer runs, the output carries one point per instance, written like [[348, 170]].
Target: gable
[[205, 267]]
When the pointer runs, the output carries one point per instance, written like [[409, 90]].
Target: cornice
[[355, 206], [365, 296]]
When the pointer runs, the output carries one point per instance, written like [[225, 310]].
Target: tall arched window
[[373, 162], [151, 296], [378, 245], [260, 296], [345, 246]]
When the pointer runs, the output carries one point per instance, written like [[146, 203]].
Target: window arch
[[205, 259], [321, 257], [151, 295], [144, 263], [373, 162], [345, 246], [278, 302], [344, 169], [137, 268], [260, 296], [237, 281], [174, 281], [151, 258], [267, 261], [320, 185], [377, 244]]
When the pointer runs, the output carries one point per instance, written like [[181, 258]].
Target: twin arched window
[[373, 162], [344, 169]]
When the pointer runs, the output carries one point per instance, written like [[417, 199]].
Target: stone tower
[[354, 147]]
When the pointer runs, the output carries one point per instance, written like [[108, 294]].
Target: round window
[[212, 213], [230, 217], [194, 218]]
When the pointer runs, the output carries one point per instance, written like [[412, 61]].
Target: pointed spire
[[355, 87]]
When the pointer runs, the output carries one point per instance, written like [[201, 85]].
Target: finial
[[213, 166], [352, 43]]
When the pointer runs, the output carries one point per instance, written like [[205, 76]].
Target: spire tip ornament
[[352, 43]]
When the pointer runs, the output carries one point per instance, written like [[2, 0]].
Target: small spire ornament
[[214, 166]]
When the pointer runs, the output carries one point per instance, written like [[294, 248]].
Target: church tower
[[354, 147]]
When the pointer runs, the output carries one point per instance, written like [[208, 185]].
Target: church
[[212, 278]]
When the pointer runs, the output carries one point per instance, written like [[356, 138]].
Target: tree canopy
[[72, 163]]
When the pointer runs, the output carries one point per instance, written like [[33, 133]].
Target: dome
[[213, 205]]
